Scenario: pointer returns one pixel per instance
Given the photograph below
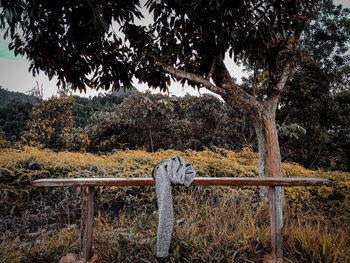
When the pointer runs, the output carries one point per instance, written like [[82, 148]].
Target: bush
[[158, 122], [51, 122], [52, 126]]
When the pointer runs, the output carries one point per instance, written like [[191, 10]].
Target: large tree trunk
[[269, 152], [261, 113]]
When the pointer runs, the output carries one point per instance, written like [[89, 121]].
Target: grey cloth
[[173, 170]]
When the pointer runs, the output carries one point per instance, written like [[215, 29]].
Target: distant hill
[[9, 97], [124, 93], [15, 108]]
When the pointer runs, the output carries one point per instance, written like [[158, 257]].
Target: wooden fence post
[[87, 219], [276, 222]]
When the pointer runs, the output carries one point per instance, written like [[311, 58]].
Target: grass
[[213, 224]]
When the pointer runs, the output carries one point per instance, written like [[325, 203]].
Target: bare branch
[[189, 76]]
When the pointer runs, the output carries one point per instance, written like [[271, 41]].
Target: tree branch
[[284, 76], [274, 96], [189, 76], [212, 68], [224, 86], [235, 96], [286, 117]]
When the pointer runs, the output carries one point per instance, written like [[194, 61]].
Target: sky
[[14, 74]]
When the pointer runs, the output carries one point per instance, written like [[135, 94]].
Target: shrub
[[158, 122]]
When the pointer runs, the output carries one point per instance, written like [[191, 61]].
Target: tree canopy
[[317, 97], [81, 42], [72, 40]]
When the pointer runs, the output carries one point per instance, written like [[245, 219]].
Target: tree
[[188, 41], [52, 125], [37, 91], [141, 120], [313, 99], [156, 122]]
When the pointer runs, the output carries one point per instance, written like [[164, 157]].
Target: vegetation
[[10, 97], [15, 108], [116, 121], [15, 112], [203, 122], [51, 122], [318, 96], [158, 122], [296, 97], [186, 41], [212, 223], [85, 107]]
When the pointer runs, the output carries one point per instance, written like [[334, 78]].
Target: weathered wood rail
[[275, 189]]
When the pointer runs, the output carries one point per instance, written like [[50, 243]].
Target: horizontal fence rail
[[204, 181]]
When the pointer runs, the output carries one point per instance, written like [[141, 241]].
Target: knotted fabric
[[173, 170]]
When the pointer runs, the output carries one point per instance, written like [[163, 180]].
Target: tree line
[[155, 121]]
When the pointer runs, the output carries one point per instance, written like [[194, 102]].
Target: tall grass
[[212, 224]]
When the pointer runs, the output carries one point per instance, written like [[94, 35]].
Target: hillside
[[124, 92], [42, 225], [10, 97], [15, 109]]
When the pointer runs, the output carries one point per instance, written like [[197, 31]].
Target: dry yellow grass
[[213, 224], [138, 163]]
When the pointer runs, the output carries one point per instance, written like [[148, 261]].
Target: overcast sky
[[14, 75]]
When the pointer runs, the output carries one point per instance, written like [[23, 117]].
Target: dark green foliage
[[10, 97], [325, 41], [326, 143], [317, 98], [159, 122], [141, 120], [82, 110], [85, 107], [206, 121], [15, 108], [191, 35], [13, 119], [71, 40], [79, 44]]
